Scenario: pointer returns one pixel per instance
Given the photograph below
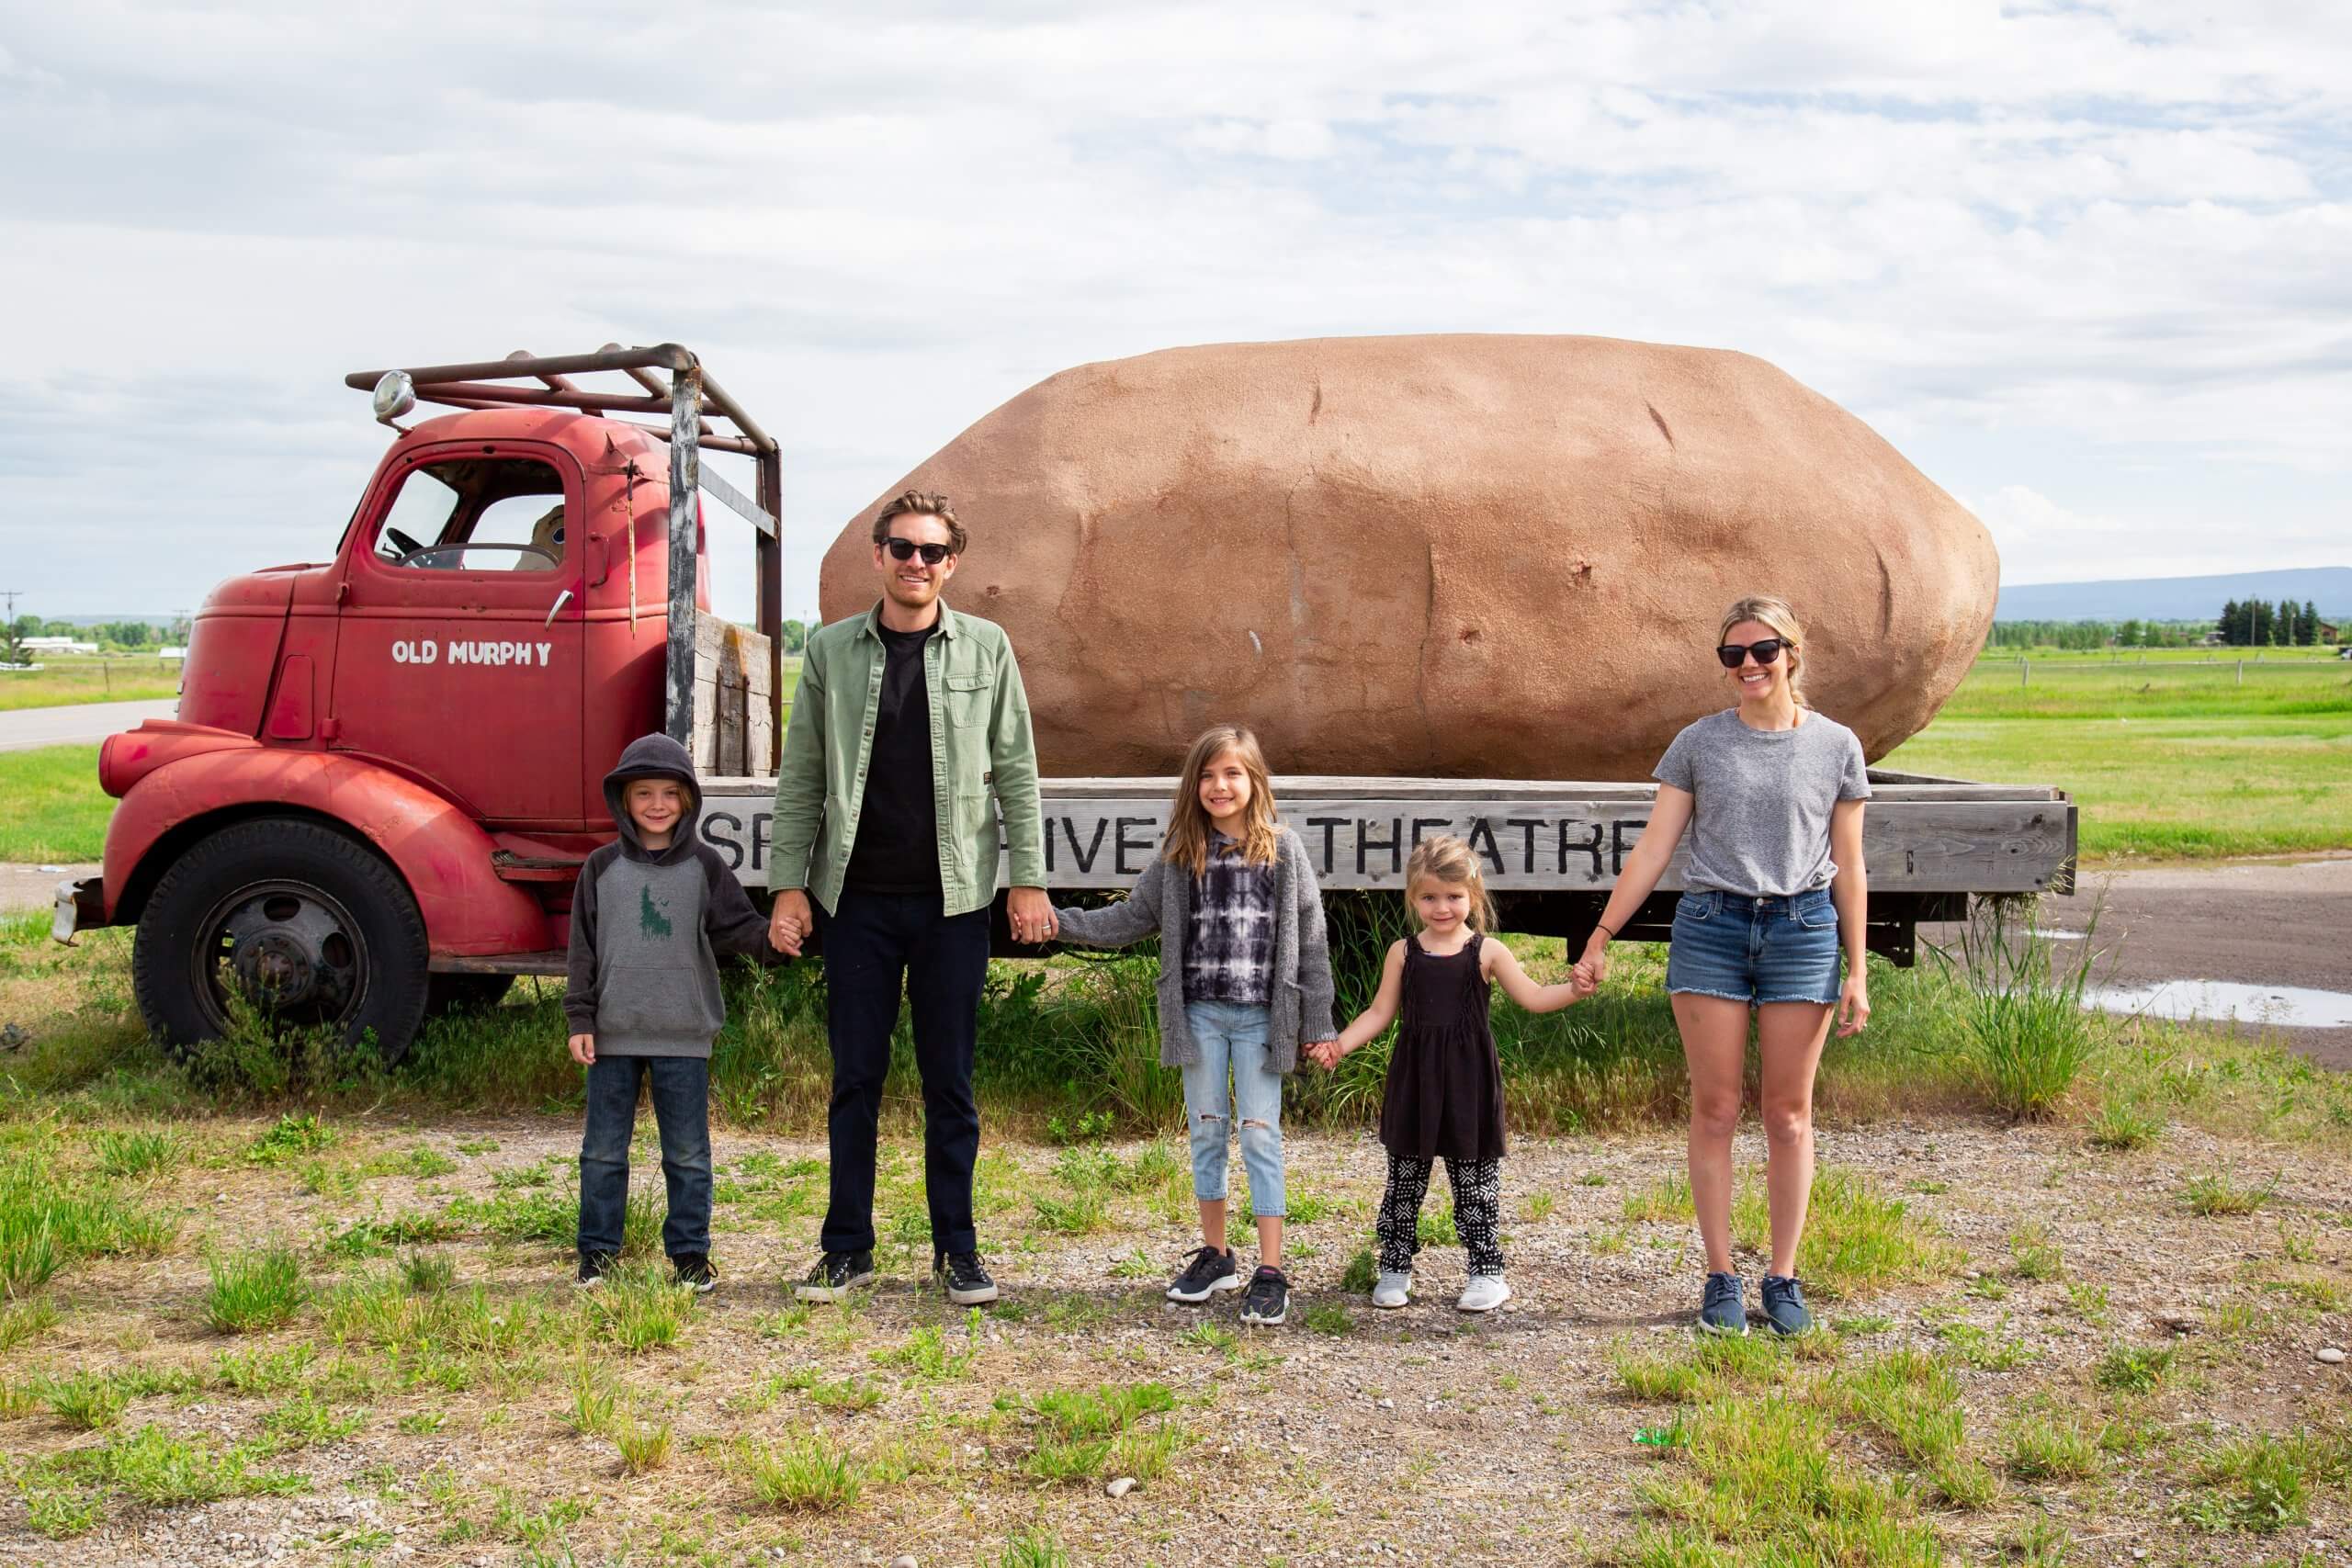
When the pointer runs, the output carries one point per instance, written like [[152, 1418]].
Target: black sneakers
[[692, 1271], [594, 1267], [966, 1282], [1268, 1299], [836, 1275], [1206, 1272], [1784, 1306]]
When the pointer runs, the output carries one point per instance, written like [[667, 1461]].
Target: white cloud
[[2000, 232]]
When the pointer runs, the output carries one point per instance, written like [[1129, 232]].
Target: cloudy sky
[[2086, 265]]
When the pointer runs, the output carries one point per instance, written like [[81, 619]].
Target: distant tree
[[2229, 623], [795, 636], [2128, 635], [2307, 625], [50, 629]]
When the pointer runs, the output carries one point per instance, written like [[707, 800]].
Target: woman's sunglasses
[[907, 550], [1731, 653]]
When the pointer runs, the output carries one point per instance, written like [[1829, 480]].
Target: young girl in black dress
[[1444, 1098]]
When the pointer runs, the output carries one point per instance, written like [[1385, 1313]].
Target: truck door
[[459, 658]]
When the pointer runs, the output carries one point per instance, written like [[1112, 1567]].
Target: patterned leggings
[[1478, 1211]]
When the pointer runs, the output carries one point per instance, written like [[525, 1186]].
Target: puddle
[[2289, 1007]]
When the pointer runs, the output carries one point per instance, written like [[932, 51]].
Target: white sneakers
[[1484, 1293]]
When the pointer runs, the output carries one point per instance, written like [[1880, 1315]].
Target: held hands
[[1325, 1053], [1593, 967], [1031, 914], [790, 921], [1854, 1004], [583, 1049]]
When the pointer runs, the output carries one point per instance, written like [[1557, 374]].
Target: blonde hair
[[1452, 862], [1771, 610], [1189, 826]]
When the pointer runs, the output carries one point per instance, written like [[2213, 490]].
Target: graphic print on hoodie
[[647, 925]]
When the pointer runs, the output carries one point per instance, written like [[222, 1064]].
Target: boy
[[650, 914]]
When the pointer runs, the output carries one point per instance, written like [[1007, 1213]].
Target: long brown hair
[[1451, 861], [1189, 826], [1771, 610]]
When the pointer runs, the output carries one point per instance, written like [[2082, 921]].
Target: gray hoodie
[[647, 925]]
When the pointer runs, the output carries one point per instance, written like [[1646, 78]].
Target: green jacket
[[980, 742]]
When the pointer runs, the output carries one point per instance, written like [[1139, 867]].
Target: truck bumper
[[81, 906]]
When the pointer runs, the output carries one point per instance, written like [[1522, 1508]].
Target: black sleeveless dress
[[1444, 1095]]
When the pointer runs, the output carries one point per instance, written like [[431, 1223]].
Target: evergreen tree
[[2307, 626], [2229, 623]]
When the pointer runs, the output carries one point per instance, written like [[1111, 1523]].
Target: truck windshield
[[476, 514]]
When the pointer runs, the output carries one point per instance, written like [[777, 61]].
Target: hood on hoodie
[[654, 757]]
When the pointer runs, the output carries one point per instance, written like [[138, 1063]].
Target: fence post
[[2022, 668], [2241, 672]]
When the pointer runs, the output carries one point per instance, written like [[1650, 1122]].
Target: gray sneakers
[[1394, 1290], [1723, 1310]]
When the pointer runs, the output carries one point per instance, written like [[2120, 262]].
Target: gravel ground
[[1417, 1436]]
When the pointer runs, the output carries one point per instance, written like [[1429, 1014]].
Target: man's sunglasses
[[1766, 651], [907, 550]]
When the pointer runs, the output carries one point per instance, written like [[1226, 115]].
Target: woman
[[1772, 792]]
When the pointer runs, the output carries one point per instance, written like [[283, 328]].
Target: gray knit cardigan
[[1161, 900]]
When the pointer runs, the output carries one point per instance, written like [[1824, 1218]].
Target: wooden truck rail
[[1552, 848]]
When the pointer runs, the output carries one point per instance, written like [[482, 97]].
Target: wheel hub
[[289, 949]]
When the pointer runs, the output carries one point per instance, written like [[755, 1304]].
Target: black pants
[[873, 944], [1478, 1211]]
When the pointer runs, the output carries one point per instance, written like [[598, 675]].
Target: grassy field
[[322, 1307], [50, 805], [2175, 759], [68, 680]]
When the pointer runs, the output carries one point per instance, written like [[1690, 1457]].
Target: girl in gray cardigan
[[1245, 981]]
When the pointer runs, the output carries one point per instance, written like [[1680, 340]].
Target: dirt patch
[[1345, 1436], [2267, 922]]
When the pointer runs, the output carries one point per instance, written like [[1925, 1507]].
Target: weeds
[[808, 1474], [254, 1290], [140, 1152], [2132, 1369], [2124, 1125], [2214, 1195], [2024, 1013], [2042, 1447]]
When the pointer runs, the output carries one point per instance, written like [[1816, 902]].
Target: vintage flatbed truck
[[386, 766]]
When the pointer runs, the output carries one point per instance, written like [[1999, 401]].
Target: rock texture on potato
[[1461, 557]]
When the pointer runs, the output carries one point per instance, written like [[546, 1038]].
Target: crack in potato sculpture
[[1465, 557]]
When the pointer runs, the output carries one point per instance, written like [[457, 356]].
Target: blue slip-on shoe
[[1723, 1309], [1784, 1306]]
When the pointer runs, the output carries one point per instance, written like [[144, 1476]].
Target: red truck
[[386, 768]]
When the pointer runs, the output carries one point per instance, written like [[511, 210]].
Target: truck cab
[[386, 768]]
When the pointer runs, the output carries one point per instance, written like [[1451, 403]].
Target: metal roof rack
[[671, 383]]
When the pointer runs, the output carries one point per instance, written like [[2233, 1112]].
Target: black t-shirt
[[896, 849]]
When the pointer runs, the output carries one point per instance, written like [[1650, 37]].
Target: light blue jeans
[[1231, 1037]]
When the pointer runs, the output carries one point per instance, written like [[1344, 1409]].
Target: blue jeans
[[1232, 1036], [680, 1088], [1758, 951]]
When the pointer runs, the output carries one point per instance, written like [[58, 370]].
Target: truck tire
[[312, 925]]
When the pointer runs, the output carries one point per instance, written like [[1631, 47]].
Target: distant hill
[[2176, 598]]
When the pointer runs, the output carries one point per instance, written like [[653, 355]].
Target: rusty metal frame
[[673, 387]]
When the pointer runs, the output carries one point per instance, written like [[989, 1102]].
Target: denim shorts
[[1754, 950]]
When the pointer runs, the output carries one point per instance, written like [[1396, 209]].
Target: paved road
[[83, 723], [2268, 924]]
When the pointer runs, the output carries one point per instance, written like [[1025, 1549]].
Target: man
[[907, 717]]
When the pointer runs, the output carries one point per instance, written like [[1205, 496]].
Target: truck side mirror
[[395, 395]]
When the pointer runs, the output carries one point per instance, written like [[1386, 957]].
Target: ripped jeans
[[1231, 1036]]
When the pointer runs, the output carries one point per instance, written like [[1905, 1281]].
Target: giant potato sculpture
[[1464, 557]]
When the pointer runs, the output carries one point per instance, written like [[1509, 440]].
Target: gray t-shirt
[[1760, 826]]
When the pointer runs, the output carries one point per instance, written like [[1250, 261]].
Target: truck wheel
[[304, 921], [466, 993]]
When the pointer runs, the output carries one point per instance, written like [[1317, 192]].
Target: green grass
[[69, 679], [2170, 788], [254, 1291], [50, 805]]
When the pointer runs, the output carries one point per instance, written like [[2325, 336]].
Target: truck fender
[[440, 852]]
